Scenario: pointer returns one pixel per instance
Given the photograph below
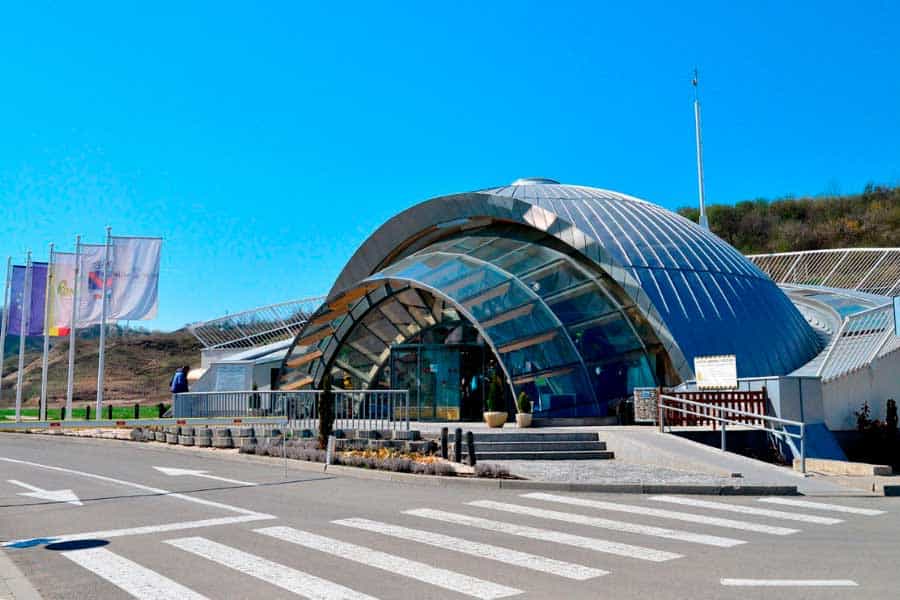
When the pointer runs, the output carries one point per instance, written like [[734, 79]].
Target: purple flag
[[17, 297]]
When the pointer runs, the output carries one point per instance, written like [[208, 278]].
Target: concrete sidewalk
[[644, 455]]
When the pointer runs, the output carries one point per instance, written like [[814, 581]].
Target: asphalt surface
[[131, 530]]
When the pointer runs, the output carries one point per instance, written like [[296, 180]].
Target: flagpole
[[704, 223], [70, 376], [23, 334], [103, 307], [5, 323], [44, 358]]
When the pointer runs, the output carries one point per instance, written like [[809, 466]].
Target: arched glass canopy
[[579, 294]]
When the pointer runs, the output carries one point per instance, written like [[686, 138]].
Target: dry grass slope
[[138, 369]]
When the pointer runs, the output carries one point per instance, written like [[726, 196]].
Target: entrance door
[[444, 381]]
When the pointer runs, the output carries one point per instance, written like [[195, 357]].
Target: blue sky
[[264, 143]]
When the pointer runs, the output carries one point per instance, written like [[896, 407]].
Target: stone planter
[[523, 420], [495, 419]]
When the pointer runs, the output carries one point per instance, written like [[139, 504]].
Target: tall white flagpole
[[70, 376], [5, 323], [23, 334], [704, 223], [44, 359], [103, 307]]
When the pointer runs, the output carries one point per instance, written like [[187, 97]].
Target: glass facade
[[576, 295]]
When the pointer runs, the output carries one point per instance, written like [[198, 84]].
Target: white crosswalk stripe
[[486, 551], [672, 534], [292, 580], [138, 581], [546, 535], [747, 510], [663, 514], [450, 580], [788, 582], [869, 512]]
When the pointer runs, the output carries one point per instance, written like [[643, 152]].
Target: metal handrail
[[662, 406], [353, 409]]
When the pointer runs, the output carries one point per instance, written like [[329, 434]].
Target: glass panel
[[603, 338], [553, 278], [498, 247], [537, 320], [527, 259], [561, 396], [552, 353], [581, 304], [493, 307]]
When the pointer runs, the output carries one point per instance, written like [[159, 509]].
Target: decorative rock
[[186, 440]]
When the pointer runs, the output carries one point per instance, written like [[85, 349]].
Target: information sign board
[[646, 408], [716, 372]]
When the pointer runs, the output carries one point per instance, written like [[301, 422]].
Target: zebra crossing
[[546, 524]]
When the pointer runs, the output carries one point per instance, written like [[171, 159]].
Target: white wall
[[875, 384]]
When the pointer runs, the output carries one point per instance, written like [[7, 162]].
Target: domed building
[[571, 294]]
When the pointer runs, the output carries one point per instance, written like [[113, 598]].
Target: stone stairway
[[540, 446]]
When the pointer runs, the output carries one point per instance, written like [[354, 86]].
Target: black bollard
[[161, 409], [62, 413], [109, 411], [137, 410], [470, 447], [457, 445], [87, 412], [445, 435]]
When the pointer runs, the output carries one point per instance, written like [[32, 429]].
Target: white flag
[[91, 284], [135, 278], [60, 294]]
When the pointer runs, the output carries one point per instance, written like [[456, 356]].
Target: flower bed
[[383, 459]]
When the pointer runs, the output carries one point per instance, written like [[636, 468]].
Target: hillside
[[871, 219], [139, 366]]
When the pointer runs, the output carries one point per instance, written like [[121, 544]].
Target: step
[[542, 446], [550, 436], [548, 455]]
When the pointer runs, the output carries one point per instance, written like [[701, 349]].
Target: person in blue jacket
[[179, 383]]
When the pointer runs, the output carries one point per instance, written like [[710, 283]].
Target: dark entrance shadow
[[76, 545]]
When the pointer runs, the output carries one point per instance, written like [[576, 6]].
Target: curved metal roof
[[702, 296]]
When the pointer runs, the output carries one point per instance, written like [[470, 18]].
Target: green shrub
[[494, 395], [523, 403]]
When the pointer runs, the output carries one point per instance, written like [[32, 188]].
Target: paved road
[[157, 535]]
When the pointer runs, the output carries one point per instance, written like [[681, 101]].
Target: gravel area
[[607, 471]]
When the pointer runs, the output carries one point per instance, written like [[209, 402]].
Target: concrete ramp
[[645, 445]]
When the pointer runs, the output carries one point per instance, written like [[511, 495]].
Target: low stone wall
[[238, 437]]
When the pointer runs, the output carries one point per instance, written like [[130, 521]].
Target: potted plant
[[523, 417], [492, 416]]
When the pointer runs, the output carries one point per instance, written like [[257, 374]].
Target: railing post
[[662, 418], [724, 423], [803, 449]]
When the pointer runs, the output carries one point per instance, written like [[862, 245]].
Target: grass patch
[[119, 412]]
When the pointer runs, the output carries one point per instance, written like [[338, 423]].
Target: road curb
[[13, 584]]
